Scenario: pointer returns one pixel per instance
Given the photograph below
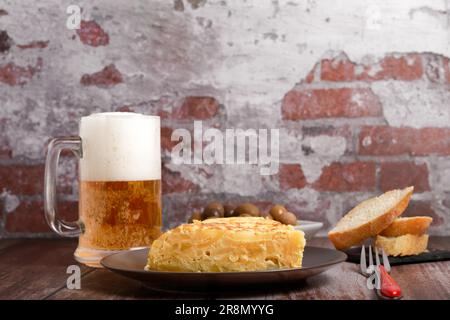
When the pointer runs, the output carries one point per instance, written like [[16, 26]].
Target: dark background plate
[[131, 264]]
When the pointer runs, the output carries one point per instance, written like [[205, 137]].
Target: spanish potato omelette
[[228, 244]]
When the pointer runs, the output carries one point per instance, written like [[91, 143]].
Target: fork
[[388, 289]]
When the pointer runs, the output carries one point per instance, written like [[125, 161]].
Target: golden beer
[[119, 215]]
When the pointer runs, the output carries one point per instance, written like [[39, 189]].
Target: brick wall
[[383, 146], [355, 118]]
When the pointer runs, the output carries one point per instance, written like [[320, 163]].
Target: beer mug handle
[[63, 228]]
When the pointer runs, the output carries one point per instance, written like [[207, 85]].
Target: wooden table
[[36, 269]]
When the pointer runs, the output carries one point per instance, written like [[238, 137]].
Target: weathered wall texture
[[359, 90]]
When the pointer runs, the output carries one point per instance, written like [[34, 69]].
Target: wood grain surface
[[36, 269]]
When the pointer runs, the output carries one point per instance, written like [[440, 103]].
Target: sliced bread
[[406, 245], [410, 225], [369, 218]]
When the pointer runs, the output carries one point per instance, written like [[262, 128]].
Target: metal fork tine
[[377, 258], [370, 256], [386, 263], [362, 261]]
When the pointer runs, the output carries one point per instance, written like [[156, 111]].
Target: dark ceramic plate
[[131, 264]]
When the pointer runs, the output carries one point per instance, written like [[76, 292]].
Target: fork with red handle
[[388, 288]]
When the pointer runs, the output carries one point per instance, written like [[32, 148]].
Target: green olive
[[247, 208], [196, 215], [228, 211]]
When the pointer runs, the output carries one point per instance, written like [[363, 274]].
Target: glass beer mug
[[119, 184]]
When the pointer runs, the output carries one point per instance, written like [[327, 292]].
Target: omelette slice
[[228, 244]]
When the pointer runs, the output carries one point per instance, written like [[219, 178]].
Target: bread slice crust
[[350, 237], [406, 245], [408, 225]]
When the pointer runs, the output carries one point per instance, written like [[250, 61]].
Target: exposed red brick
[[164, 114], [125, 109], [396, 67], [291, 177], [92, 34], [446, 62], [405, 67], [200, 108], [423, 208], [13, 74], [337, 70], [330, 103], [173, 182], [34, 45], [396, 175], [166, 142], [5, 41], [107, 77], [22, 179], [5, 152], [29, 216], [385, 140], [29, 180], [310, 77], [341, 177]]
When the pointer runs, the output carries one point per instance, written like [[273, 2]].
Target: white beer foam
[[120, 146]]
